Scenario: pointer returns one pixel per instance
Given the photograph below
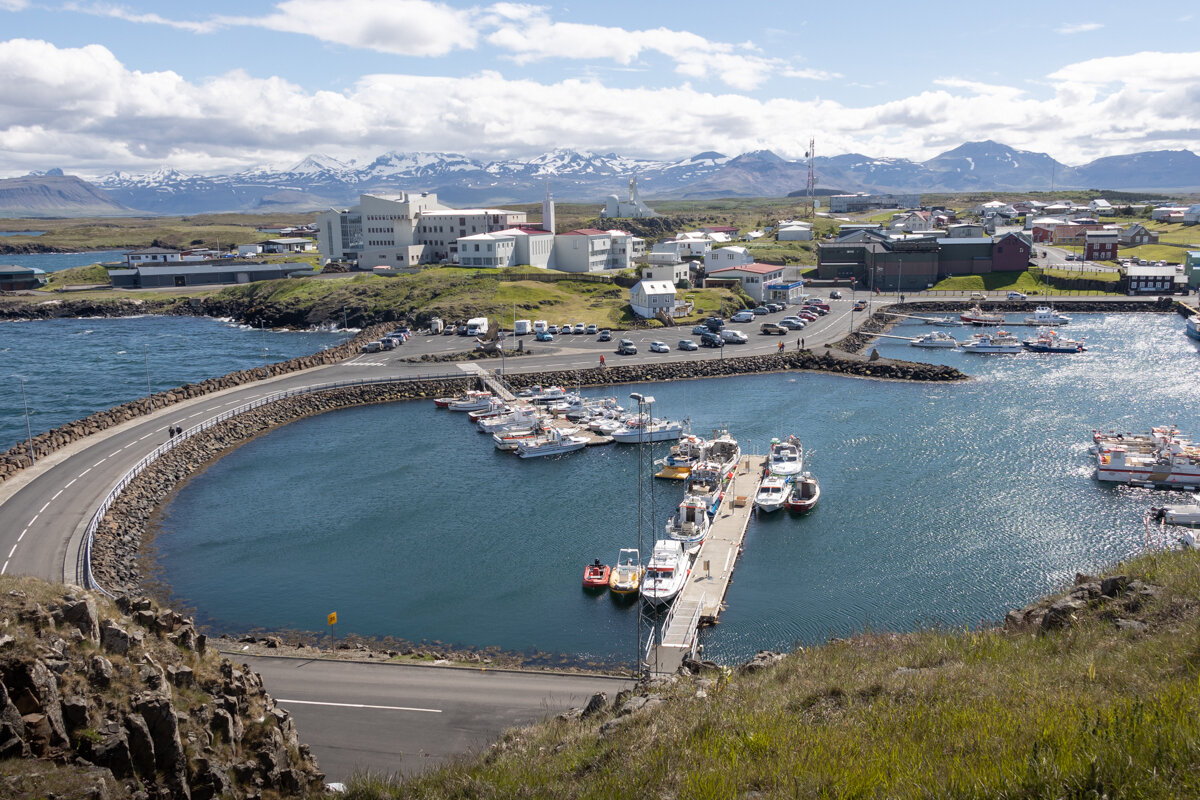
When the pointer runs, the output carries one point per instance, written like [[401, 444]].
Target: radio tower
[[812, 178]]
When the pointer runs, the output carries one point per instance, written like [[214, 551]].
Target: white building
[[1101, 208], [753, 277], [673, 272], [532, 246], [583, 250], [694, 243], [492, 250], [152, 255], [1191, 216], [441, 229], [248, 250], [631, 208], [723, 257], [288, 245], [648, 298], [626, 249], [794, 231]]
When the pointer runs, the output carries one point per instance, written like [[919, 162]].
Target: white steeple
[[548, 211]]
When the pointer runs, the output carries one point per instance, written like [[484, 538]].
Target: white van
[[522, 327], [733, 337], [540, 326], [477, 326]]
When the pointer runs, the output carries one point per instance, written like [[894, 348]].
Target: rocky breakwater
[[17, 457], [120, 534], [131, 702], [807, 360]]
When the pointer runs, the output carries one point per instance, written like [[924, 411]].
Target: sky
[[217, 87]]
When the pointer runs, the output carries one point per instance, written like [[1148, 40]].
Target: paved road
[[399, 718]]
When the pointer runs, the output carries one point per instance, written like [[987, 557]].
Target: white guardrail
[[83, 566]]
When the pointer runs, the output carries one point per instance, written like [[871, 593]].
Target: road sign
[[333, 618]]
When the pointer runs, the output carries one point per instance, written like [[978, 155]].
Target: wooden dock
[[703, 597]]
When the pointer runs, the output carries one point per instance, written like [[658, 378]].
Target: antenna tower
[[812, 177]]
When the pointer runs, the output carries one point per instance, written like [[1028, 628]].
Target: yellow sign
[[333, 618]]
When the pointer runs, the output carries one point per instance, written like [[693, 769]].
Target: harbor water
[[53, 262], [941, 505], [74, 367]]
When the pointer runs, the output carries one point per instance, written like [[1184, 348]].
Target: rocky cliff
[[122, 699]]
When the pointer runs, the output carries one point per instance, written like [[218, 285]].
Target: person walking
[[797, 344], [802, 343], [781, 347]]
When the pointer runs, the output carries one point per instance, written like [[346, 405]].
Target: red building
[[1101, 245], [1010, 253]]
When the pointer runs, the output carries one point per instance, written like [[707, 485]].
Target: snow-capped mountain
[[321, 180]]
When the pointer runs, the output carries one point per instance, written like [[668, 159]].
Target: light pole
[[28, 430]]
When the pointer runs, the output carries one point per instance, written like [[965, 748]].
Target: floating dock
[[703, 596]]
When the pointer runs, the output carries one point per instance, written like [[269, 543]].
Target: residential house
[[1150, 279], [674, 272], [912, 221], [1101, 245], [1101, 208], [729, 231], [722, 257], [1137, 234], [1011, 253], [152, 255], [293, 244], [1164, 213], [752, 277], [694, 243], [964, 230], [648, 298]]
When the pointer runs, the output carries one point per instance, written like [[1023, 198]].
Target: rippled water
[[940, 504], [52, 262], [74, 367]]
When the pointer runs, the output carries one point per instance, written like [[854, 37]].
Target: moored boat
[[1192, 328], [596, 575], [1049, 341], [690, 450], [977, 316], [626, 576], [666, 572], [471, 401], [640, 428], [786, 457], [554, 442], [805, 494], [724, 450], [1001, 342], [772, 493], [945, 322], [1171, 463], [707, 482], [934, 339], [1186, 516], [1046, 315], [690, 524]]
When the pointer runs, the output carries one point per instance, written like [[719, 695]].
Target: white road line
[[43, 508], [10, 552], [359, 705], [101, 461], [85, 472], [56, 494], [198, 413], [68, 486], [131, 444], [214, 408], [159, 430], [35, 516], [116, 453], [4, 569], [148, 435], [22, 536]]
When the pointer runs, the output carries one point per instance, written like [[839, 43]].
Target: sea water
[[942, 504]]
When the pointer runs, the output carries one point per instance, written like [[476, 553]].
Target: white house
[[492, 250], [249, 250], [693, 243], [722, 257], [912, 222], [294, 244], [583, 250], [793, 231], [648, 298], [626, 248], [1101, 208], [673, 272], [152, 255], [753, 277], [1192, 215], [532, 246], [1166, 212]]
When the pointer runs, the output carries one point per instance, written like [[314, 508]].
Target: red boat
[[595, 575], [805, 494]]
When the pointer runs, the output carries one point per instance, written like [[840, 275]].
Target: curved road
[[45, 510]]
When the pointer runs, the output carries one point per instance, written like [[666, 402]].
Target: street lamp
[[28, 430]]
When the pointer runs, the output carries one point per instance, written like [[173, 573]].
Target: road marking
[[101, 461], [359, 705], [4, 569], [160, 430], [35, 516], [43, 508], [56, 494], [131, 444], [214, 408], [22, 536], [116, 453], [68, 486], [85, 472], [10, 552], [198, 413], [148, 435]]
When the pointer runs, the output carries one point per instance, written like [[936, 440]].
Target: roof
[[964, 240], [585, 232], [756, 268], [522, 230], [151, 251], [1149, 271], [292, 240], [16, 269], [655, 287], [208, 269]]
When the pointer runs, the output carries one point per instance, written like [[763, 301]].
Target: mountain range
[[320, 181]]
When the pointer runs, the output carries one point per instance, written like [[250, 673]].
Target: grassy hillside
[[110, 233], [1103, 701]]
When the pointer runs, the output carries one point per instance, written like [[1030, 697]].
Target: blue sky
[[93, 87]]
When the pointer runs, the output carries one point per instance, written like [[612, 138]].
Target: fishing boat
[[1192, 329], [977, 316], [1185, 516], [706, 482], [596, 575], [690, 450], [1049, 341], [934, 339], [1045, 315], [522, 417], [555, 442], [666, 572], [805, 494], [509, 440], [495, 408], [772, 493], [1169, 463], [626, 576], [786, 457], [944, 322], [543, 394], [1001, 342], [641, 428], [471, 401], [690, 524], [1137, 441], [724, 450]]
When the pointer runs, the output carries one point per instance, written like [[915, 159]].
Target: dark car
[[710, 339], [714, 323], [605, 336], [758, 312], [775, 307], [626, 347]]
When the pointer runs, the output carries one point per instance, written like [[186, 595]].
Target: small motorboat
[[977, 316], [945, 322], [554, 442], [1046, 315], [1049, 341], [1002, 342], [596, 575], [934, 339], [666, 573], [786, 457], [626, 576], [773, 493], [690, 524], [689, 451], [724, 450], [1184, 516], [641, 428], [471, 401], [805, 493]]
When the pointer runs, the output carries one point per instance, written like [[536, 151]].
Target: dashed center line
[[214, 408], [160, 430], [148, 435], [101, 461], [43, 508], [22, 536], [68, 486], [35, 516], [115, 453], [56, 494], [85, 472]]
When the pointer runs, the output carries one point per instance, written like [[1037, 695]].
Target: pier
[[703, 596]]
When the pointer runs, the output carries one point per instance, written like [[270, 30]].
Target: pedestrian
[[797, 345], [781, 347], [802, 343]]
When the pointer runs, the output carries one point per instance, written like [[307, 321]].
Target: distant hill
[[53, 194]]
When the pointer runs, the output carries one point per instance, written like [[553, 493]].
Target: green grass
[[1091, 711], [106, 233], [989, 282], [1155, 252]]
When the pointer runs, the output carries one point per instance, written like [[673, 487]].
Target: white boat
[[724, 450], [1147, 441], [521, 417], [786, 457], [666, 572], [945, 322], [1001, 342], [935, 339], [690, 450], [707, 482], [472, 401], [1192, 328], [1171, 462], [509, 440], [1048, 341], [639, 428], [977, 316], [772, 493], [1045, 315], [1186, 516], [690, 524], [543, 394], [555, 442]]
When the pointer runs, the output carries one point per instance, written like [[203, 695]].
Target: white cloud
[[83, 110], [809, 74], [13, 5], [1078, 27], [124, 13]]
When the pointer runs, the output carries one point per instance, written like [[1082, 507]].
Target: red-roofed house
[[753, 277]]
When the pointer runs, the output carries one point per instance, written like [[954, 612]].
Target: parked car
[[710, 339], [591, 330], [744, 315], [567, 329], [687, 344], [807, 316], [699, 330], [714, 323], [774, 308], [1071, 256], [792, 323], [659, 347], [449, 330], [835, 295], [544, 336], [732, 336], [822, 308], [605, 335], [758, 312], [580, 329], [626, 347], [1017, 296], [552, 329], [772, 328], [978, 296]]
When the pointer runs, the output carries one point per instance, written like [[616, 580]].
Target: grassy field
[[1089, 711], [109, 233]]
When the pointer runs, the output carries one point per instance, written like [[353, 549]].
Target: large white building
[[404, 230], [632, 207]]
